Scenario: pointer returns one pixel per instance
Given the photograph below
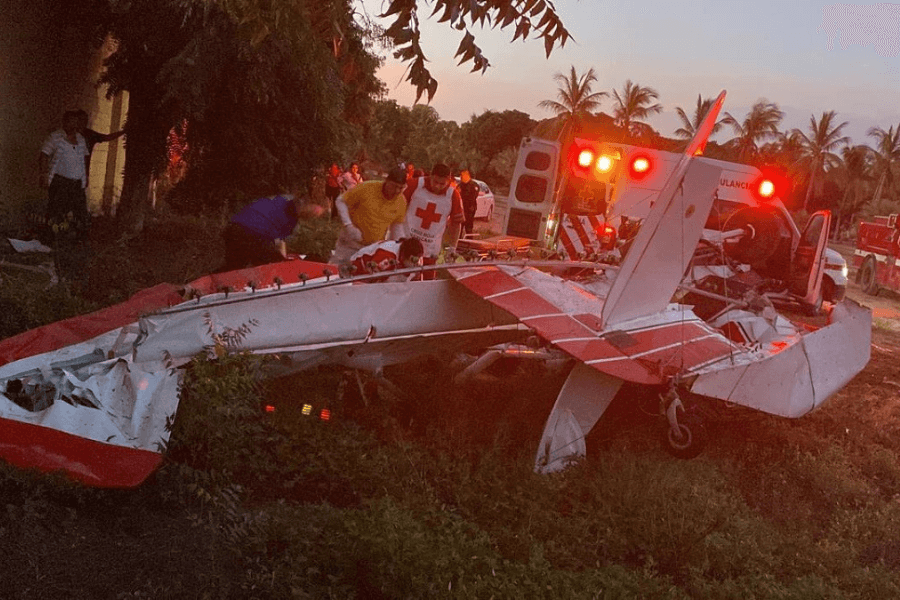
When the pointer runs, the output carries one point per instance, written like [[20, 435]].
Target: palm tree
[[633, 105], [852, 173], [819, 147], [761, 123], [575, 99], [887, 156], [689, 125]]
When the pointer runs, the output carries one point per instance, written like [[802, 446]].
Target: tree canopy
[[820, 147], [760, 124], [633, 105], [266, 91], [689, 125], [576, 99]]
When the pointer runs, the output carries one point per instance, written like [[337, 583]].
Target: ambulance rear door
[[531, 191]]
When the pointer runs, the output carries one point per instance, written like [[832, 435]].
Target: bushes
[[429, 492]]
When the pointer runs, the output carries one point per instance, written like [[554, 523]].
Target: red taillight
[[606, 234]]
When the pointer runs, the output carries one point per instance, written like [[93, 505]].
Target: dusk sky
[[806, 56]]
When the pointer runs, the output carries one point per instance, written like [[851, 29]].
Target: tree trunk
[[146, 149], [812, 182], [880, 186]]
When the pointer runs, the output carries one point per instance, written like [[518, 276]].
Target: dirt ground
[[885, 306]]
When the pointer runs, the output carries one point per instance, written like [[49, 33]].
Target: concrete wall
[[48, 65]]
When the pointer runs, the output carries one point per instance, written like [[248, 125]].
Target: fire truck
[[877, 254], [581, 201]]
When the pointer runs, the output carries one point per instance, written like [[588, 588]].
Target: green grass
[[430, 493]]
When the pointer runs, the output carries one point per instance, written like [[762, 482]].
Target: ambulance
[[583, 202]]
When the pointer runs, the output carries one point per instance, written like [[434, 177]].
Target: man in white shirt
[[63, 172]]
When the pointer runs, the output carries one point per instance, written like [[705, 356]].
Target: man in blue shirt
[[256, 234]]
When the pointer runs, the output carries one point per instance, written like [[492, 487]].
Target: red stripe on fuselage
[[88, 461]]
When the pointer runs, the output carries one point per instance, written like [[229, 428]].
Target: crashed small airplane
[[682, 314]]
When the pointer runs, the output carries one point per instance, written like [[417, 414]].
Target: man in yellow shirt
[[370, 212]]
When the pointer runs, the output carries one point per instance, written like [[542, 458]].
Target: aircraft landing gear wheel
[[687, 439], [867, 277]]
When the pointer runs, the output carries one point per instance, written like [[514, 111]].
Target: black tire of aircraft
[[692, 440]]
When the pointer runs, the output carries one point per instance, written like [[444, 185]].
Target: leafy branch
[[536, 18]]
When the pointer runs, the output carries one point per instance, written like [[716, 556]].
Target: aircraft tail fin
[[663, 247]]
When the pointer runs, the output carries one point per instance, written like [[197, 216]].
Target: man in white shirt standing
[[63, 172]]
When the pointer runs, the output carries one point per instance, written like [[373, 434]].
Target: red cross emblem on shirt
[[429, 215]]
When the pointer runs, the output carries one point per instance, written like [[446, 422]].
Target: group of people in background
[[337, 182], [400, 221]]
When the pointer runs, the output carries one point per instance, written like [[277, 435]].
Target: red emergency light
[[585, 158], [640, 166], [766, 189], [604, 163], [772, 183], [606, 234]]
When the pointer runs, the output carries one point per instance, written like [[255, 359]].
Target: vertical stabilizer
[[663, 247]]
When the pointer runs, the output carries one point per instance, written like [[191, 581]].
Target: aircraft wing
[[94, 395]]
